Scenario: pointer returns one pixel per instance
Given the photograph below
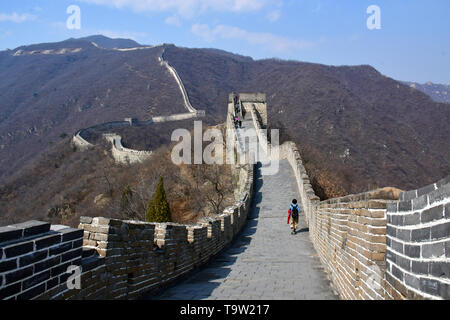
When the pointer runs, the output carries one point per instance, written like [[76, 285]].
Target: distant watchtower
[[245, 101]]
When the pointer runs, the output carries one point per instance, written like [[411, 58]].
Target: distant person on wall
[[243, 113], [236, 121], [240, 124], [294, 211]]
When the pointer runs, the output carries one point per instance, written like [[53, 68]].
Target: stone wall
[[418, 240], [130, 258], [260, 114], [382, 244], [177, 78], [178, 117], [374, 246], [309, 200], [120, 153], [248, 97], [349, 235], [247, 101], [125, 155], [34, 258], [80, 142], [118, 259], [387, 244]]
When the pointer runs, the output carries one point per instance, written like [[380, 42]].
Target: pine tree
[[158, 209]]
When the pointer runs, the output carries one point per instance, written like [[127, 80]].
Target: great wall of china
[[119, 259], [383, 244], [130, 156]]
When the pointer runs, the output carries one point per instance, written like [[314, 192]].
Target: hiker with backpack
[[236, 122], [293, 211]]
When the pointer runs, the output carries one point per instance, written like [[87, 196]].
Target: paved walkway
[[265, 261]]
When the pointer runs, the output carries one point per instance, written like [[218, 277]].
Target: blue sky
[[412, 44]]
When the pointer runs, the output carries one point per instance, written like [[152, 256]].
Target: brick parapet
[[418, 239], [125, 259], [34, 257], [349, 235]]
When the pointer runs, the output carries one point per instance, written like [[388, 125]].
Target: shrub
[[158, 209]]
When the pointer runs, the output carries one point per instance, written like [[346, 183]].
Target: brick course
[[422, 268], [33, 258]]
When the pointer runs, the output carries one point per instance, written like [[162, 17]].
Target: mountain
[[48, 90], [108, 43], [356, 128], [437, 92]]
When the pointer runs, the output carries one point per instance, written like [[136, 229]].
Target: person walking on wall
[[294, 211]]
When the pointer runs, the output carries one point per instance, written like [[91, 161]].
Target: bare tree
[[134, 200], [213, 186]]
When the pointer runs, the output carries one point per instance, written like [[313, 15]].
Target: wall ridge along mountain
[[126, 155], [174, 73]]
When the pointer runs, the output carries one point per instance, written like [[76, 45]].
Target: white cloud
[[16, 18], [173, 20], [269, 41], [185, 8], [204, 31]]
